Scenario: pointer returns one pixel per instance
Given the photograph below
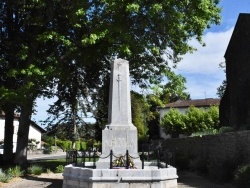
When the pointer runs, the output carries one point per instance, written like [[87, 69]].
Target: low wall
[[212, 152]]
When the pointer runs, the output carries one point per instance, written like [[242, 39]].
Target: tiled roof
[[197, 103]]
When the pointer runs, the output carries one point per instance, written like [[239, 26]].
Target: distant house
[[183, 105], [35, 131]]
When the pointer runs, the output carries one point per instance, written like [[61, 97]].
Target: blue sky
[[201, 68]]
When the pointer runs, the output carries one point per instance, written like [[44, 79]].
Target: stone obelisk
[[119, 134]]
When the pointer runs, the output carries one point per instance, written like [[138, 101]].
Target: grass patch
[[50, 164], [35, 169], [15, 171], [5, 178]]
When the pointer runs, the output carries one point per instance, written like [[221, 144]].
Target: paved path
[[38, 156], [189, 179], [186, 180]]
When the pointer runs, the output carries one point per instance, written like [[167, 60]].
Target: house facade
[[35, 131], [183, 105]]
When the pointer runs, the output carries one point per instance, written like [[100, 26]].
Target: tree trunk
[[23, 133], [8, 134]]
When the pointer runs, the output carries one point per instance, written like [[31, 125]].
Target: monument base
[[150, 177], [119, 138]]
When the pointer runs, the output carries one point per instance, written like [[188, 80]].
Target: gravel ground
[[51, 180]]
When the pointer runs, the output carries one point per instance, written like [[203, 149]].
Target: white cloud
[[201, 69], [206, 59]]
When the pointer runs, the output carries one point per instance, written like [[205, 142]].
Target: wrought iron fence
[[147, 153]]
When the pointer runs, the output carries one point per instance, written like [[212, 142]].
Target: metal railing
[[79, 158]]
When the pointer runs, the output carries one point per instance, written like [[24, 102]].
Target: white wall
[[34, 133]]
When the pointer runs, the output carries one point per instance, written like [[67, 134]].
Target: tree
[[24, 73], [162, 94], [139, 113], [49, 36], [222, 88]]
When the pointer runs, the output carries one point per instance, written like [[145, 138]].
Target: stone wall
[[211, 152]]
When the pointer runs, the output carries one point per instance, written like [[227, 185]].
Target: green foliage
[[174, 122], [83, 146], [58, 48], [49, 140], [197, 121], [209, 131], [5, 178], [59, 169], [226, 130], [242, 176], [15, 171], [78, 145], [139, 110], [35, 169]]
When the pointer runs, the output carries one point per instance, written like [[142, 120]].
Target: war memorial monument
[[120, 136]]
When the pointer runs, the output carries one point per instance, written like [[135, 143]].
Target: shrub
[[35, 169], [78, 145], [59, 169], [195, 120], [242, 176], [5, 178], [15, 171], [83, 146], [205, 132], [226, 129], [174, 122]]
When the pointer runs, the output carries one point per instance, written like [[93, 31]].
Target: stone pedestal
[[150, 177]]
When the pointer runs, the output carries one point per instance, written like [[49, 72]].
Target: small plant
[[35, 169], [242, 176], [15, 171], [48, 171], [5, 178], [59, 169]]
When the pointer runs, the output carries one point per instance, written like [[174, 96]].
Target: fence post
[[127, 160], [158, 158], [111, 155], [75, 157], [94, 159], [142, 159], [83, 158], [89, 154]]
